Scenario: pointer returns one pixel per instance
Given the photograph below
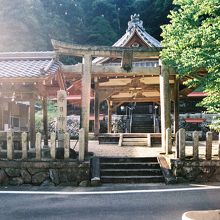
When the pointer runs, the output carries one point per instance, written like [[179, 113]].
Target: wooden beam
[[126, 99], [176, 106], [109, 116], [108, 70], [96, 110], [45, 120], [62, 48], [32, 131]]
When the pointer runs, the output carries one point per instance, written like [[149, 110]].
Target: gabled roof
[[28, 64], [135, 27]]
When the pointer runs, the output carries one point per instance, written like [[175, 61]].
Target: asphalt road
[[135, 205]]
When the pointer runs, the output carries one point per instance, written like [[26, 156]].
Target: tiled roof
[[28, 64], [135, 26]]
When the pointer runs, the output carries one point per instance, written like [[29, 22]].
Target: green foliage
[[51, 113], [30, 24], [192, 42]]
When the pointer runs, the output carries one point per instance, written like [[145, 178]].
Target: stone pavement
[[113, 150]]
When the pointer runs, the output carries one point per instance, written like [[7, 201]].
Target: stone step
[[129, 165], [131, 172], [137, 139], [134, 143], [132, 179], [128, 159]]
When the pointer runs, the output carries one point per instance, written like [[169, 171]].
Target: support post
[[182, 143], [168, 141], [219, 145], [208, 155], [53, 145], [24, 145], [177, 154], [81, 144], [176, 106], [195, 145], [45, 120], [120, 140], [149, 140], [66, 146], [96, 111], [86, 90], [109, 116], [164, 104], [10, 146], [32, 123], [38, 146]]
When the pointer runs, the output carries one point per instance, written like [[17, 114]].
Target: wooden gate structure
[[155, 84], [26, 77]]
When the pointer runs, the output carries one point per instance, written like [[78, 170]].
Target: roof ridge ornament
[[135, 22]]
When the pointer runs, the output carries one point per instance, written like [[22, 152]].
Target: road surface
[[165, 203]]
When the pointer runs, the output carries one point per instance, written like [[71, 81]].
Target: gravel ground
[[113, 150]]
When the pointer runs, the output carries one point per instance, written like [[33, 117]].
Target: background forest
[[27, 25]]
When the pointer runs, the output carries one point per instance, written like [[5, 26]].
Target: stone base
[[67, 173], [196, 171]]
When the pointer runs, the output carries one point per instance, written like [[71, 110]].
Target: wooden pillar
[[109, 116], [45, 120], [176, 106], [96, 110], [164, 104], [86, 90], [32, 123]]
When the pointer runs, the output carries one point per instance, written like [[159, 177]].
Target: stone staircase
[[142, 123], [130, 170], [134, 139]]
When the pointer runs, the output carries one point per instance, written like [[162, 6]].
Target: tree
[[192, 42]]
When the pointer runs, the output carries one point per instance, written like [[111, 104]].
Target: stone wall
[[196, 171], [68, 173]]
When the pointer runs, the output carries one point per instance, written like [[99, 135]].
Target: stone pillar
[[182, 143], [195, 145], [45, 120], [10, 146], [66, 146], [61, 111], [96, 111], [53, 145], [177, 154], [168, 141], [208, 155], [61, 119], [86, 90], [81, 144], [38, 146], [109, 116], [24, 145], [176, 106], [32, 131], [164, 104]]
